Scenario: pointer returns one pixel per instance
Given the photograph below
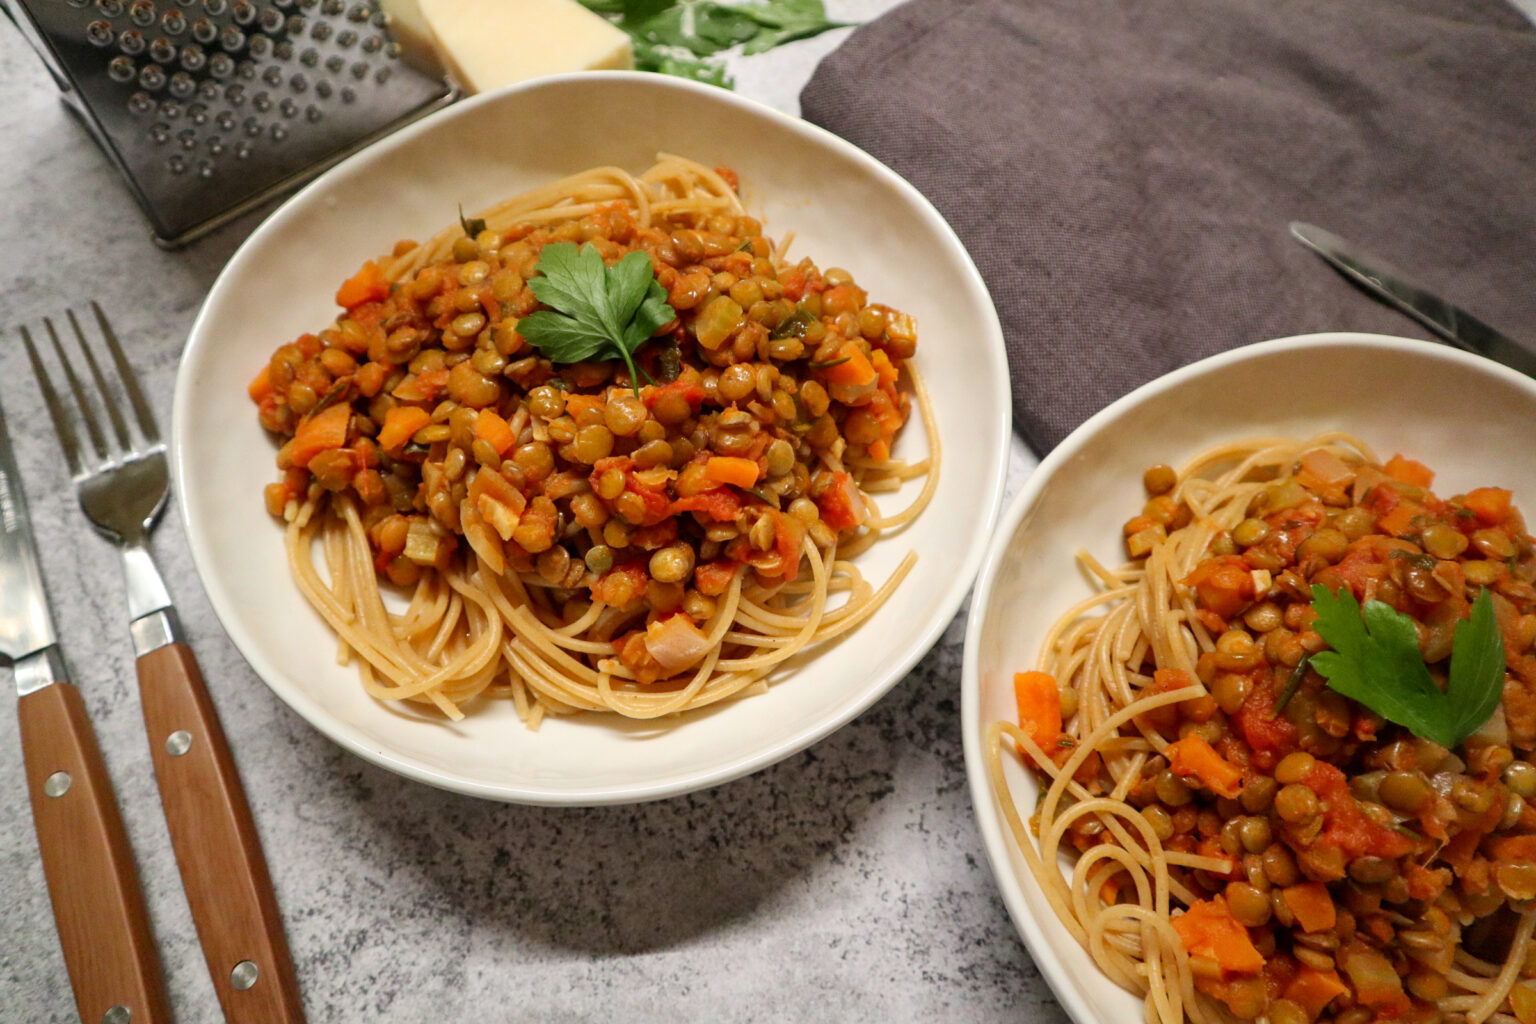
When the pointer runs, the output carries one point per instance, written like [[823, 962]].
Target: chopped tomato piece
[[841, 506], [720, 504]]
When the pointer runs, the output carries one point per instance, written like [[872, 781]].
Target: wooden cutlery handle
[[222, 867], [92, 880]]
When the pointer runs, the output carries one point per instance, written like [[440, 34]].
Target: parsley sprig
[[686, 37], [595, 310], [1375, 660]]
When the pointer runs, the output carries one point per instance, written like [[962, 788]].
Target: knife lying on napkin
[[1384, 281], [92, 881]]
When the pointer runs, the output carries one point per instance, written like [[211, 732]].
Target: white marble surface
[[846, 883]]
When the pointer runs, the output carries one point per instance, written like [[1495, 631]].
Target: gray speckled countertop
[[845, 883]]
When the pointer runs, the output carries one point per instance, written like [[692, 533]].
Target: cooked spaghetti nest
[[566, 539], [1292, 875]]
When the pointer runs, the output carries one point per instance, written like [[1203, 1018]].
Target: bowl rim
[[347, 736], [995, 840]]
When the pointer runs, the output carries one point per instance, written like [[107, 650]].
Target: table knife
[[93, 882], [1384, 281]]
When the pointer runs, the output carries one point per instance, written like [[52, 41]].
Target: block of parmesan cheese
[[486, 44]]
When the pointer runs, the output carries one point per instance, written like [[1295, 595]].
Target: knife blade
[[93, 883], [1384, 281]]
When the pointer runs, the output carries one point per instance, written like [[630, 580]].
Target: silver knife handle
[[92, 880]]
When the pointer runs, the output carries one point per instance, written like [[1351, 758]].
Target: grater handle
[[103, 926], [223, 869]]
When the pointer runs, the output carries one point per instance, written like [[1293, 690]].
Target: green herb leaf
[[595, 310], [472, 225], [784, 21], [682, 37], [1476, 684], [563, 339], [793, 326], [1375, 660], [1292, 684]]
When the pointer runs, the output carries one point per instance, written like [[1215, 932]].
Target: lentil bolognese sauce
[[618, 447], [1287, 747]]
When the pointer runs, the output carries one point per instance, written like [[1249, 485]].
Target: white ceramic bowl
[[845, 210], [1468, 419]]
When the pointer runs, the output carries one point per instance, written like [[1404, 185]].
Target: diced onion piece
[[1326, 466], [421, 542], [1141, 543], [676, 643]]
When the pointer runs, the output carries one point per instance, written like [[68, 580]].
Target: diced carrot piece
[[1313, 989], [1208, 929], [261, 385], [1490, 504], [493, 429], [367, 285], [1223, 584], [323, 431], [1039, 702], [879, 450], [1400, 520], [1409, 472], [576, 404], [400, 423], [884, 367], [730, 469], [1192, 755], [1312, 905], [855, 370]]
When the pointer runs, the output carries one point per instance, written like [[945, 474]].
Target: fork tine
[[141, 407], [119, 426], [98, 440], [68, 440]]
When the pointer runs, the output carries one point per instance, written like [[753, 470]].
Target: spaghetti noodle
[[574, 540], [1246, 843]]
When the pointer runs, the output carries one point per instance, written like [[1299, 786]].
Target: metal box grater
[[209, 107]]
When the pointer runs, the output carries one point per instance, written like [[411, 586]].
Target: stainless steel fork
[[122, 483]]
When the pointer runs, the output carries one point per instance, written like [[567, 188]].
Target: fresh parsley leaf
[[1476, 684], [683, 37], [562, 338], [655, 58], [595, 310], [1375, 660], [784, 21]]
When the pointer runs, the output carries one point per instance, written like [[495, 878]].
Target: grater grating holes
[[210, 84]]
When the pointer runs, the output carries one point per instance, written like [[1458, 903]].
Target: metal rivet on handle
[[57, 784], [244, 975], [118, 1014], [178, 743]]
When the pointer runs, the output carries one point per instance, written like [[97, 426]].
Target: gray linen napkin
[[1123, 171]]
